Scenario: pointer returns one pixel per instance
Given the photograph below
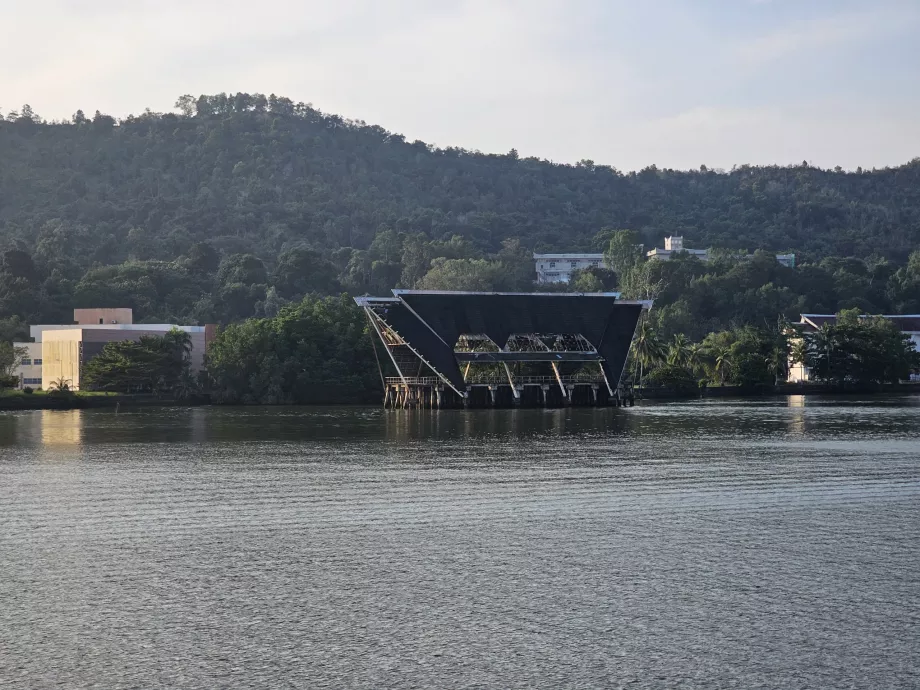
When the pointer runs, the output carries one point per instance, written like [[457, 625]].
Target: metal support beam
[[414, 351], [604, 374], [373, 319], [559, 379], [514, 391]]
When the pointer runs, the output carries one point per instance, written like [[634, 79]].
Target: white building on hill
[[558, 268]]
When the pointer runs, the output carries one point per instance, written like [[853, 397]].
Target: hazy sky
[[677, 83]]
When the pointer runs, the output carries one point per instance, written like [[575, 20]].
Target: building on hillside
[[558, 268], [909, 324], [675, 245], [59, 351]]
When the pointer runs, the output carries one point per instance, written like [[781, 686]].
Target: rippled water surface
[[705, 544]]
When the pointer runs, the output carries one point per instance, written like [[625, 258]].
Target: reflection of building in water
[[796, 422], [62, 427]]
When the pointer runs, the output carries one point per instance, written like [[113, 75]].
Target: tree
[[152, 364], [10, 358], [586, 281], [317, 349], [301, 271], [475, 275], [623, 252], [678, 351], [242, 269], [647, 348]]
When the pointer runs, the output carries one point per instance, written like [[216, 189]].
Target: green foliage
[[674, 376], [463, 274], [150, 365], [623, 252], [10, 357], [743, 356], [317, 349]]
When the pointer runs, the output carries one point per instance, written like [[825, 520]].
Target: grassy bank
[[51, 400]]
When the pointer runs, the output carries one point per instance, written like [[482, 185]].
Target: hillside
[[307, 194]]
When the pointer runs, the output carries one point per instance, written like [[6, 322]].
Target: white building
[[558, 268], [29, 369], [675, 245]]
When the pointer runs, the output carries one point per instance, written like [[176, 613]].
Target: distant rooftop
[[908, 323]]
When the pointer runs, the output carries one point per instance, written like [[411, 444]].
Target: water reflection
[[61, 427], [681, 421]]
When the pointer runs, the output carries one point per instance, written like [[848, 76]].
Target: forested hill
[[236, 205], [246, 173]]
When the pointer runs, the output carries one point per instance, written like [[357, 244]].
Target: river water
[[741, 544]]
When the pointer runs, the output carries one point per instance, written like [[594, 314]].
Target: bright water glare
[[707, 544]]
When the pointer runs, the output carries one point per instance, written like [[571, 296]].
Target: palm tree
[[778, 361], [695, 354], [61, 385], [678, 350], [722, 358], [648, 349], [179, 342]]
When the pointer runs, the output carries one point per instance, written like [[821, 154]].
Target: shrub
[[27, 390], [673, 376]]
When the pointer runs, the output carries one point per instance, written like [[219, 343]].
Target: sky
[[675, 83]]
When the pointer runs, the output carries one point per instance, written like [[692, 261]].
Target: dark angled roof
[[431, 322], [908, 323]]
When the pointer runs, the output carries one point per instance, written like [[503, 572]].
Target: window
[[595, 263], [36, 362], [26, 362], [574, 264], [552, 264], [31, 382]]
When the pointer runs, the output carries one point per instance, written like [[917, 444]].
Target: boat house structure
[[475, 349]]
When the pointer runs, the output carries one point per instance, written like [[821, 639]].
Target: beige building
[[60, 350]]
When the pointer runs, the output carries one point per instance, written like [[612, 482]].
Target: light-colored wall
[[33, 370], [87, 317], [61, 358], [159, 328]]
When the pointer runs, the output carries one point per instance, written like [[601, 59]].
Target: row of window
[[31, 362], [31, 382], [574, 264]]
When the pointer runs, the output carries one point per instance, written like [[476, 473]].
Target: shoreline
[[12, 401]]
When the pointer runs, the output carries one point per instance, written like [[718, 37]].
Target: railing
[[496, 380]]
